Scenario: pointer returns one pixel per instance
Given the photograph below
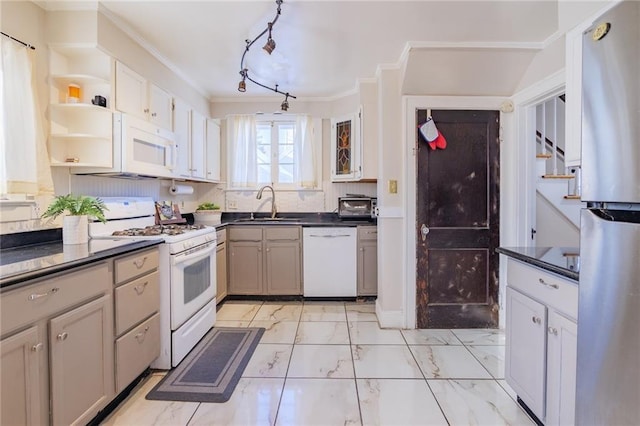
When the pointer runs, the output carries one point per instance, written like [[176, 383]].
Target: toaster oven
[[357, 207]]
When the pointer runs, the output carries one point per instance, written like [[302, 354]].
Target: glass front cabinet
[[346, 147]]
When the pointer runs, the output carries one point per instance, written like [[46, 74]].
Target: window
[[275, 152], [278, 150]]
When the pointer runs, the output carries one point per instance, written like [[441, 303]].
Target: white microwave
[[140, 148]]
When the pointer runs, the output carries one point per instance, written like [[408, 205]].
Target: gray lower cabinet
[[57, 348], [221, 265], [63, 357], [22, 378], [265, 260], [137, 321], [283, 263], [81, 357], [367, 260]]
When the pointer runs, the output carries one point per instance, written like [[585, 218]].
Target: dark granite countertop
[[22, 263], [564, 261], [302, 219]]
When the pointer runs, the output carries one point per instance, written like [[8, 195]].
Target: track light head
[[285, 104], [270, 46], [242, 86]]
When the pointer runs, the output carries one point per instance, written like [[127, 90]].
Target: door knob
[[424, 231]]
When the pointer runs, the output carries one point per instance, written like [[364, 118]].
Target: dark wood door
[[458, 203]]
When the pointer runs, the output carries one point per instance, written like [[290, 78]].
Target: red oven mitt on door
[[430, 132]]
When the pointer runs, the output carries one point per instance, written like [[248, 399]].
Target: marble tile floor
[[329, 363]]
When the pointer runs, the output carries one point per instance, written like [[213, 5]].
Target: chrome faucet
[[273, 199]]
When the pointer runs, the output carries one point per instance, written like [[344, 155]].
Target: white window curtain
[[25, 167], [304, 151], [241, 140]]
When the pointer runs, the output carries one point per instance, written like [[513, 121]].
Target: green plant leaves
[[76, 206]]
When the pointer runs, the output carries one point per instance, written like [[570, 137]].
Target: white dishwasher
[[329, 262]]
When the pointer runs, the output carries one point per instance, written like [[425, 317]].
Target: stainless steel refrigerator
[[608, 365]]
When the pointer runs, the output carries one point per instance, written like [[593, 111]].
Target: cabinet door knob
[[553, 330], [37, 347], [536, 320], [63, 336], [146, 110], [153, 114]]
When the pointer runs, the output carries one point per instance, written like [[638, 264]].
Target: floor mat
[[212, 369]]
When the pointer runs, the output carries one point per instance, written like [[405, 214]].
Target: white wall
[[392, 272], [554, 229]]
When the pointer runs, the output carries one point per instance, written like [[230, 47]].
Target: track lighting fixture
[[269, 47]]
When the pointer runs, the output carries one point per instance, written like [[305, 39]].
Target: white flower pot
[[75, 230], [208, 217]]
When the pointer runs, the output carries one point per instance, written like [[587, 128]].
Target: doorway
[[457, 221]]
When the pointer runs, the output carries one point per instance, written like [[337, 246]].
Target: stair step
[[558, 176], [572, 197], [543, 155]]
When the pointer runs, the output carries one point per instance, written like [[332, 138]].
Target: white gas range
[[187, 272]]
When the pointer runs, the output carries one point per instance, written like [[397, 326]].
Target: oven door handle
[[194, 255]]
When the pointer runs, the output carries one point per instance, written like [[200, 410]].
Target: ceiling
[[323, 47]]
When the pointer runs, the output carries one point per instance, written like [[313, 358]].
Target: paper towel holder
[[180, 189]]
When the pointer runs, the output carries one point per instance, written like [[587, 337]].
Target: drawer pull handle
[[37, 347], [39, 295], [63, 336], [140, 262], [140, 336], [536, 320], [140, 288], [554, 286], [553, 331]]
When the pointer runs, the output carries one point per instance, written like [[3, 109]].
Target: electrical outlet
[[232, 205], [393, 186]]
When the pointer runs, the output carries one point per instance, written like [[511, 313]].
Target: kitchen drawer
[[221, 236], [253, 233], [136, 350], [550, 289], [135, 265], [287, 233], [366, 233], [136, 300], [52, 295]]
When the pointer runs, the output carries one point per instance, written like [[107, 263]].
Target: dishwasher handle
[[329, 236]]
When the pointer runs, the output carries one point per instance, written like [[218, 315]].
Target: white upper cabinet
[[213, 150], [190, 129], [182, 131], [137, 96], [160, 106], [573, 96], [346, 147], [198, 131]]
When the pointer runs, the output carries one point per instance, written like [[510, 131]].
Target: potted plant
[[75, 226], [208, 214]]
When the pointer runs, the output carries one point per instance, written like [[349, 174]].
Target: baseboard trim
[[389, 319]]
